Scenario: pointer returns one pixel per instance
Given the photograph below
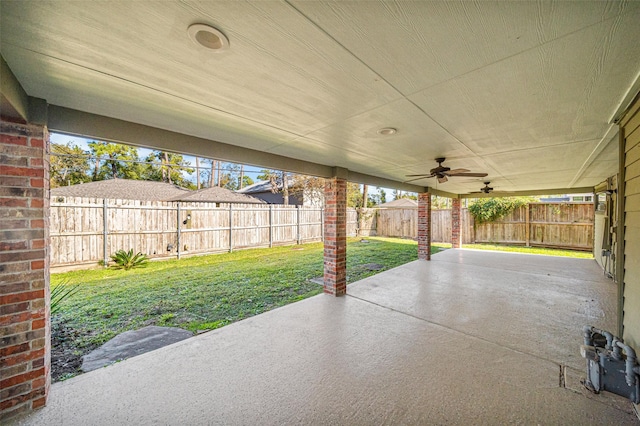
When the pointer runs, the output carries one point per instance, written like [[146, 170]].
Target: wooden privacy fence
[[562, 225], [89, 230]]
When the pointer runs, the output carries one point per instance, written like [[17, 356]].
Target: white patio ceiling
[[524, 91]]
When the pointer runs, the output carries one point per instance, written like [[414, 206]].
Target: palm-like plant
[[61, 292], [127, 260]]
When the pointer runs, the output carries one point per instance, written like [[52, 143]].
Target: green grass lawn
[[522, 249], [206, 292]]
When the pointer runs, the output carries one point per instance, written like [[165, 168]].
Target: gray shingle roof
[[122, 189], [259, 186], [217, 195], [127, 189]]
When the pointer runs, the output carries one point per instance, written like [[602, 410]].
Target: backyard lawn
[[200, 293]]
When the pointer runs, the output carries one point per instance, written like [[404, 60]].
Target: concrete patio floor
[[469, 338]]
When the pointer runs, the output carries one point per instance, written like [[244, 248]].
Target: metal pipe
[[630, 363]]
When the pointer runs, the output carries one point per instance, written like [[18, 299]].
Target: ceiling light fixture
[[387, 131], [208, 37]]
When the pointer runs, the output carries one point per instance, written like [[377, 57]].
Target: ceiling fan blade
[[472, 174], [420, 175], [456, 171], [442, 179], [418, 178]]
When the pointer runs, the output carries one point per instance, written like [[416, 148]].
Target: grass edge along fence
[[86, 231], [551, 225]]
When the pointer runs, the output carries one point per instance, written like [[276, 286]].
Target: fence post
[[270, 225], [298, 225], [178, 228], [527, 231], [105, 232], [230, 228]]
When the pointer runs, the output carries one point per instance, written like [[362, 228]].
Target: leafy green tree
[[354, 195], [115, 161], [486, 210], [69, 165], [168, 167]]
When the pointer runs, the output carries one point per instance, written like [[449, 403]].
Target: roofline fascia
[[79, 123], [532, 192]]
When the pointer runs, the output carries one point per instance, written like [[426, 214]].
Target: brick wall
[[24, 268], [424, 226], [335, 237], [456, 223]]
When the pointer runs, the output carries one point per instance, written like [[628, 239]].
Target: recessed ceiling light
[[208, 37], [387, 131]]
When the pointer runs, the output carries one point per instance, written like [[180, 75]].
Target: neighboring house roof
[[259, 186], [264, 186], [126, 189], [217, 195], [129, 189], [399, 204]]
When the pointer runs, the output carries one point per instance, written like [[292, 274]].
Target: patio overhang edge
[[532, 192], [14, 100], [79, 123]]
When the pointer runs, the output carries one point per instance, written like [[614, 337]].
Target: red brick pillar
[[25, 341], [424, 226], [455, 223], [335, 236]]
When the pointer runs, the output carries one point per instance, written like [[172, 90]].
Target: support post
[[335, 236], [424, 226], [456, 224], [25, 333], [105, 233]]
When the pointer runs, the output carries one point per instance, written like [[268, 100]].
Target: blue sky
[[251, 171]]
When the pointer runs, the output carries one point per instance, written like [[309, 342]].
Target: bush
[[127, 260], [486, 210]]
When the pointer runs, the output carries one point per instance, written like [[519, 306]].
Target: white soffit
[[520, 90]]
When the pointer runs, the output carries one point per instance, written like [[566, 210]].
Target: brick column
[[335, 237], [25, 341], [424, 226], [455, 223]]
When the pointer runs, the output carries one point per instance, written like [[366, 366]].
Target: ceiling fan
[[487, 189], [442, 173]]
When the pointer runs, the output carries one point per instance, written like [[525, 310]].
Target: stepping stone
[[131, 343], [373, 266], [318, 280]]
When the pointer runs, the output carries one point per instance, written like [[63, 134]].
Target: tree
[[171, 169], [383, 195], [308, 188], [115, 161], [69, 165], [354, 196], [397, 194]]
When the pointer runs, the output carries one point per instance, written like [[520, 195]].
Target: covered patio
[[532, 98], [469, 338]]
